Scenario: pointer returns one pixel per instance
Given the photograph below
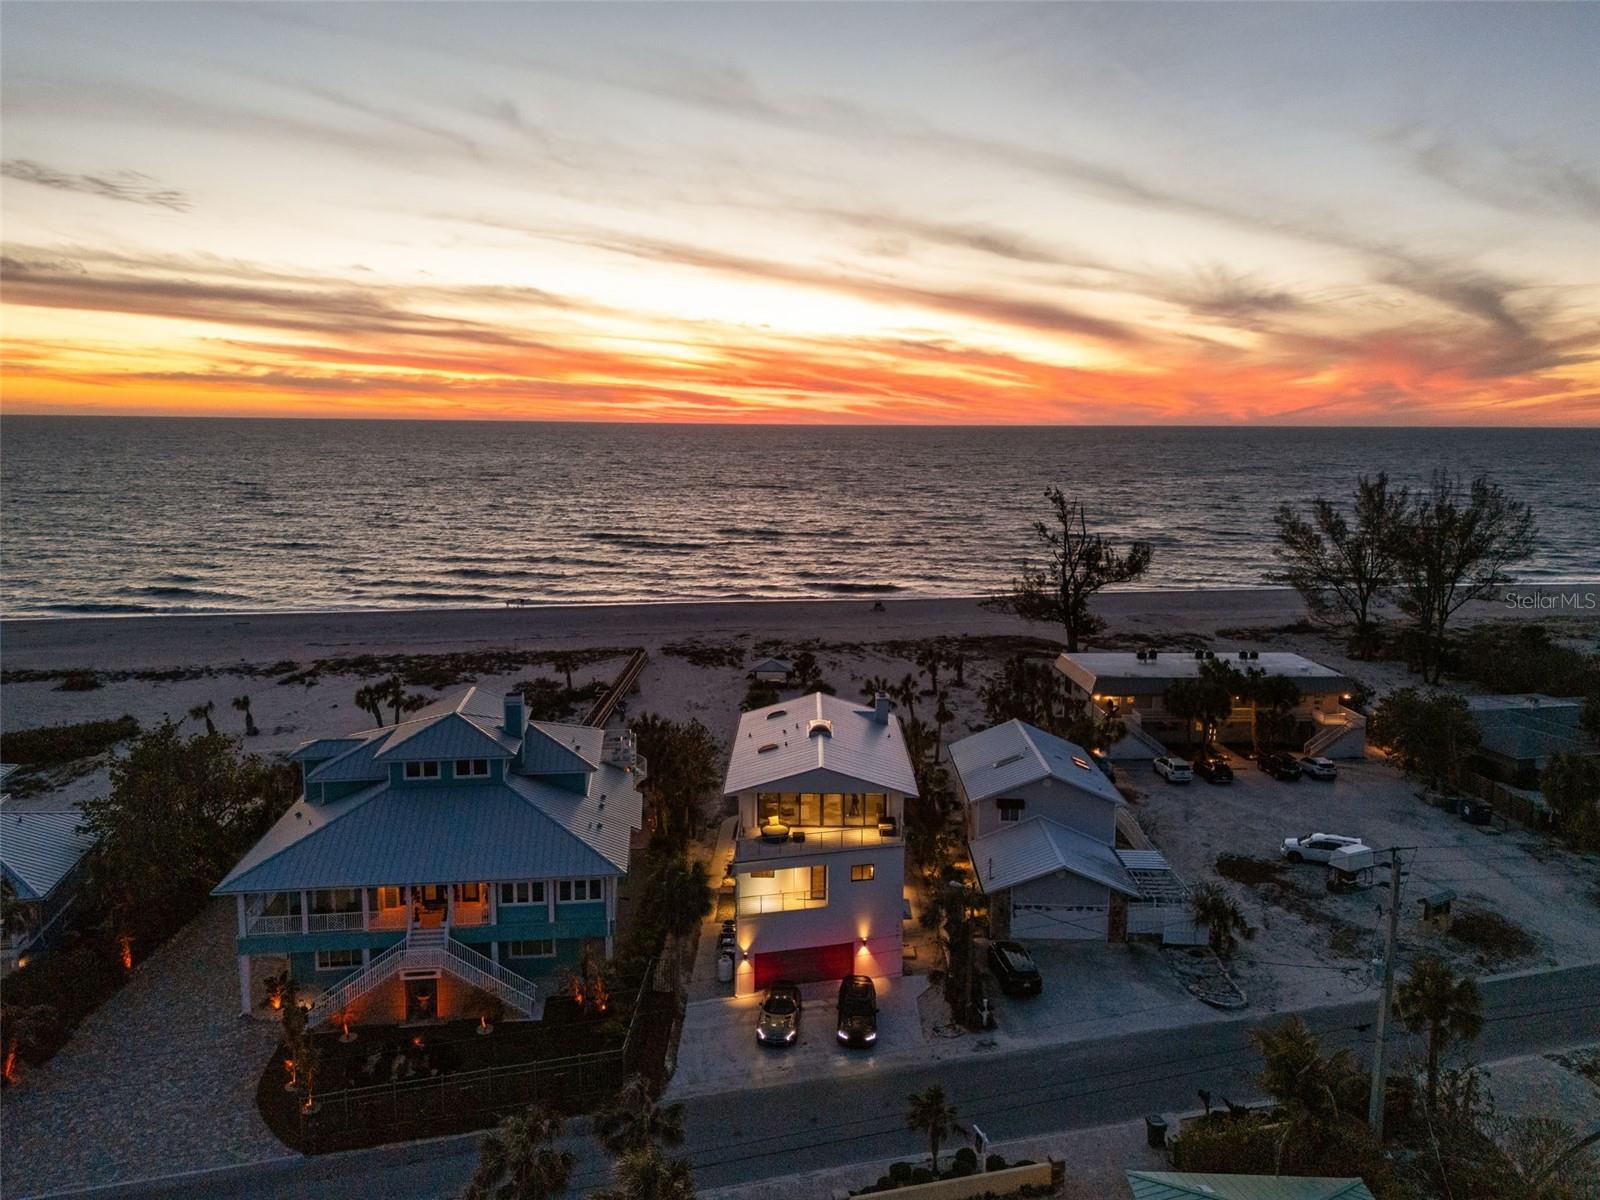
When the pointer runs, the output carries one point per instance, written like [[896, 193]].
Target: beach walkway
[[161, 1079]]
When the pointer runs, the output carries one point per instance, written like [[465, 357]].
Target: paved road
[[810, 1126]]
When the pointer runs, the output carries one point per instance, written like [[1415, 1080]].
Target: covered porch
[[393, 908]]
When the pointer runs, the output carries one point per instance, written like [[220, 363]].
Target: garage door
[[1059, 921], [804, 966]]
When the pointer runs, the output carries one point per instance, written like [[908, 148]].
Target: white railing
[[339, 997], [510, 986], [771, 902], [329, 922], [751, 844], [1333, 727], [258, 926]]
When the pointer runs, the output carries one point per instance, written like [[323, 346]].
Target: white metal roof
[[1038, 847], [783, 744], [38, 847], [1122, 673], [1015, 754]]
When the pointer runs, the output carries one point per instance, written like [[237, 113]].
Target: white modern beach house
[[819, 858]]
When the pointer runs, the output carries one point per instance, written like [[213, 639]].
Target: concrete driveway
[[1095, 990], [718, 1049]]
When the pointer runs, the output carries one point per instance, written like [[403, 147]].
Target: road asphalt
[[743, 1136]]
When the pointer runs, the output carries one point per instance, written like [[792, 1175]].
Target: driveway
[[1095, 990], [718, 1049], [160, 1079]]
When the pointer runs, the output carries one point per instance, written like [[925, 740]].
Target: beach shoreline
[[221, 639]]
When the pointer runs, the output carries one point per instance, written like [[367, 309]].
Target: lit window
[[337, 960], [861, 872]]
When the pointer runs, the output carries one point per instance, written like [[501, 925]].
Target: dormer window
[[422, 770], [472, 768]]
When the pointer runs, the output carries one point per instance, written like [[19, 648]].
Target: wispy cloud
[[133, 187]]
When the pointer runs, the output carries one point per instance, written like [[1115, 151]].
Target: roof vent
[[767, 749], [1008, 760], [819, 725], [776, 713], [1080, 763]]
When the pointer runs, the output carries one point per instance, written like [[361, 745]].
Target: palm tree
[[517, 1161], [930, 658], [202, 712], [873, 686], [369, 699], [942, 715], [682, 894], [1215, 910], [931, 1114], [634, 1120], [648, 1175], [564, 661], [1450, 1009], [242, 704]]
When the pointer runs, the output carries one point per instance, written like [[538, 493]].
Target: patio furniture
[[799, 835], [775, 833]]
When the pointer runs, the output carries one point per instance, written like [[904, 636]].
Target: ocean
[[129, 515]]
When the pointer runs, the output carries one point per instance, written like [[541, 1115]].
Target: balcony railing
[[751, 906], [390, 920], [752, 844]]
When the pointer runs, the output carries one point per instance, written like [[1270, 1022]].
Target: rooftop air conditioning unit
[[1152, 656], [1199, 655], [1244, 654]]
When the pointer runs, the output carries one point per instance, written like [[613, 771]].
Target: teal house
[[463, 853]]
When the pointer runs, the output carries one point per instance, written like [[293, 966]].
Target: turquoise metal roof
[[1188, 1185], [454, 735], [554, 749], [420, 835]]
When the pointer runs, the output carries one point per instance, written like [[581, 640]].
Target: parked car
[[1213, 768], [858, 1011], [1317, 847], [779, 1022], [1320, 768], [1013, 969], [1173, 770], [1280, 766], [1104, 763]]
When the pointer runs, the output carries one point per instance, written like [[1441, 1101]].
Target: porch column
[[244, 985], [405, 903], [494, 951], [449, 905], [305, 912], [493, 903], [610, 886], [239, 908], [550, 900], [366, 917]]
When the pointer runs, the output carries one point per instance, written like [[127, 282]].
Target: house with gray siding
[[1042, 830], [42, 867], [465, 851]]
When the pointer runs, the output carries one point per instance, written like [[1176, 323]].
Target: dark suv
[[858, 1011], [1013, 968], [1213, 768], [1280, 766]]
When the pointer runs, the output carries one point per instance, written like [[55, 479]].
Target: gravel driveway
[[160, 1079]]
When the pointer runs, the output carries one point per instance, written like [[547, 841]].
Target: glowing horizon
[[987, 214]]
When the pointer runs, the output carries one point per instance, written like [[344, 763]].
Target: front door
[[422, 998], [430, 905]]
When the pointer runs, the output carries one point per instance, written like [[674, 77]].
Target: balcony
[[769, 843], [451, 914], [773, 902]]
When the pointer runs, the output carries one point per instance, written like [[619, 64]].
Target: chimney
[[881, 707], [516, 714]]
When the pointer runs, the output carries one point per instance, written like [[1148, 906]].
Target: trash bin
[[725, 968], [1155, 1132]]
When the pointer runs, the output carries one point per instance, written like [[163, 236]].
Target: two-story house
[[463, 850], [1042, 829], [819, 860], [42, 868]]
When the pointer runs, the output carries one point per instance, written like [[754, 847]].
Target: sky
[[902, 213]]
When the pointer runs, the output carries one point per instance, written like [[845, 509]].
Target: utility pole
[[1385, 997]]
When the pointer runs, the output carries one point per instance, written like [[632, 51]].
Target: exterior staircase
[[1326, 741], [429, 949]]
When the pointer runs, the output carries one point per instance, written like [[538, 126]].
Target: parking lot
[[1311, 946], [718, 1048]]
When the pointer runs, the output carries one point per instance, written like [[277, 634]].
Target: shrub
[[966, 1157], [922, 1175], [995, 1162], [71, 982], [78, 681], [53, 745], [900, 1173]]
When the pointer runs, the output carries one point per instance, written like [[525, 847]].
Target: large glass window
[[827, 809]]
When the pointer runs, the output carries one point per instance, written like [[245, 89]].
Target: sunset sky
[[1090, 213]]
